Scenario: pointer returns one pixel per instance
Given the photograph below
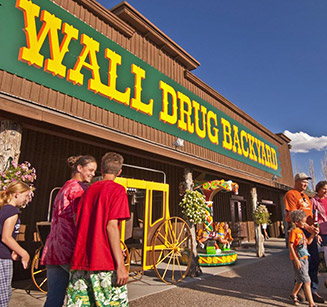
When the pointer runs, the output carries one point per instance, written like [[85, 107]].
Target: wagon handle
[[148, 169], [50, 202]]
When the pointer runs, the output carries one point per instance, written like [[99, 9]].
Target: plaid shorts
[[6, 272], [94, 288]]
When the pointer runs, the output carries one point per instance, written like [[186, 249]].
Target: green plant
[[194, 205], [261, 215]]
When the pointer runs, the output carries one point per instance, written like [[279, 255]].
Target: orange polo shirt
[[295, 200]]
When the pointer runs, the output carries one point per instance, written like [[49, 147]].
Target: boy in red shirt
[[99, 275], [299, 255]]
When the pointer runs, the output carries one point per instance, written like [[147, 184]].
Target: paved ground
[[251, 282], [262, 283]]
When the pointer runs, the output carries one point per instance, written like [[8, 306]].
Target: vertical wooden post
[[259, 239], [188, 178], [10, 142], [195, 269]]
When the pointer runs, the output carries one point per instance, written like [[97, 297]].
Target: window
[[158, 198]]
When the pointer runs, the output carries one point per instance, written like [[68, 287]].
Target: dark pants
[[57, 284], [313, 262]]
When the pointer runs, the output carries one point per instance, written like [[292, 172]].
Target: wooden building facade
[[122, 85]]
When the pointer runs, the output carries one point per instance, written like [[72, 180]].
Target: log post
[[10, 142], [259, 239], [195, 269]]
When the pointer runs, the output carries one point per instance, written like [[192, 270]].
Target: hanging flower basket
[[194, 205], [18, 172], [261, 215]]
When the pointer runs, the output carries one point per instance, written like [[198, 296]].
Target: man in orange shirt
[[296, 199]]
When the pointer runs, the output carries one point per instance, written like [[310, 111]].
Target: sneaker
[[317, 298], [294, 300]]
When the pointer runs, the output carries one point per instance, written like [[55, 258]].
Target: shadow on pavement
[[267, 281]]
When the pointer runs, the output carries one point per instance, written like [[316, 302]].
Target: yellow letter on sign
[[136, 102], [91, 47], [54, 65], [227, 134], [110, 90], [212, 133], [31, 53], [200, 132], [183, 101], [164, 116]]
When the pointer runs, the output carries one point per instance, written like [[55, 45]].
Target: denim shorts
[[302, 275]]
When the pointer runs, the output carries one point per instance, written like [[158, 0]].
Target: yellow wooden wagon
[[151, 238]]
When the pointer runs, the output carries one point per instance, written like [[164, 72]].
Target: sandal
[[294, 300]]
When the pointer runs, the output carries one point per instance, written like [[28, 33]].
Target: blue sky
[[268, 57]]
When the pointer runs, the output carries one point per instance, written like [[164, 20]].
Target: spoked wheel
[[127, 259], [136, 269], [172, 250], [39, 272]]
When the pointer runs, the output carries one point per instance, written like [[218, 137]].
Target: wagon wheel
[[172, 250], [38, 272], [126, 255], [136, 270]]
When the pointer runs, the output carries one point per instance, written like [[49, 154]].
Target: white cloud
[[303, 142]]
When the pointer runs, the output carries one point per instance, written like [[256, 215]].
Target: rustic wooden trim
[[107, 16], [213, 93], [237, 197], [284, 137], [130, 15]]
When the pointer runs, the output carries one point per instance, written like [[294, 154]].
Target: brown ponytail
[[12, 188], [74, 161]]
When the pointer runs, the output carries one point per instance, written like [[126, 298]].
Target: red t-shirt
[[295, 200], [103, 201]]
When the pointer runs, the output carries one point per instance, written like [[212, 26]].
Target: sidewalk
[[150, 284], [263, 282]]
